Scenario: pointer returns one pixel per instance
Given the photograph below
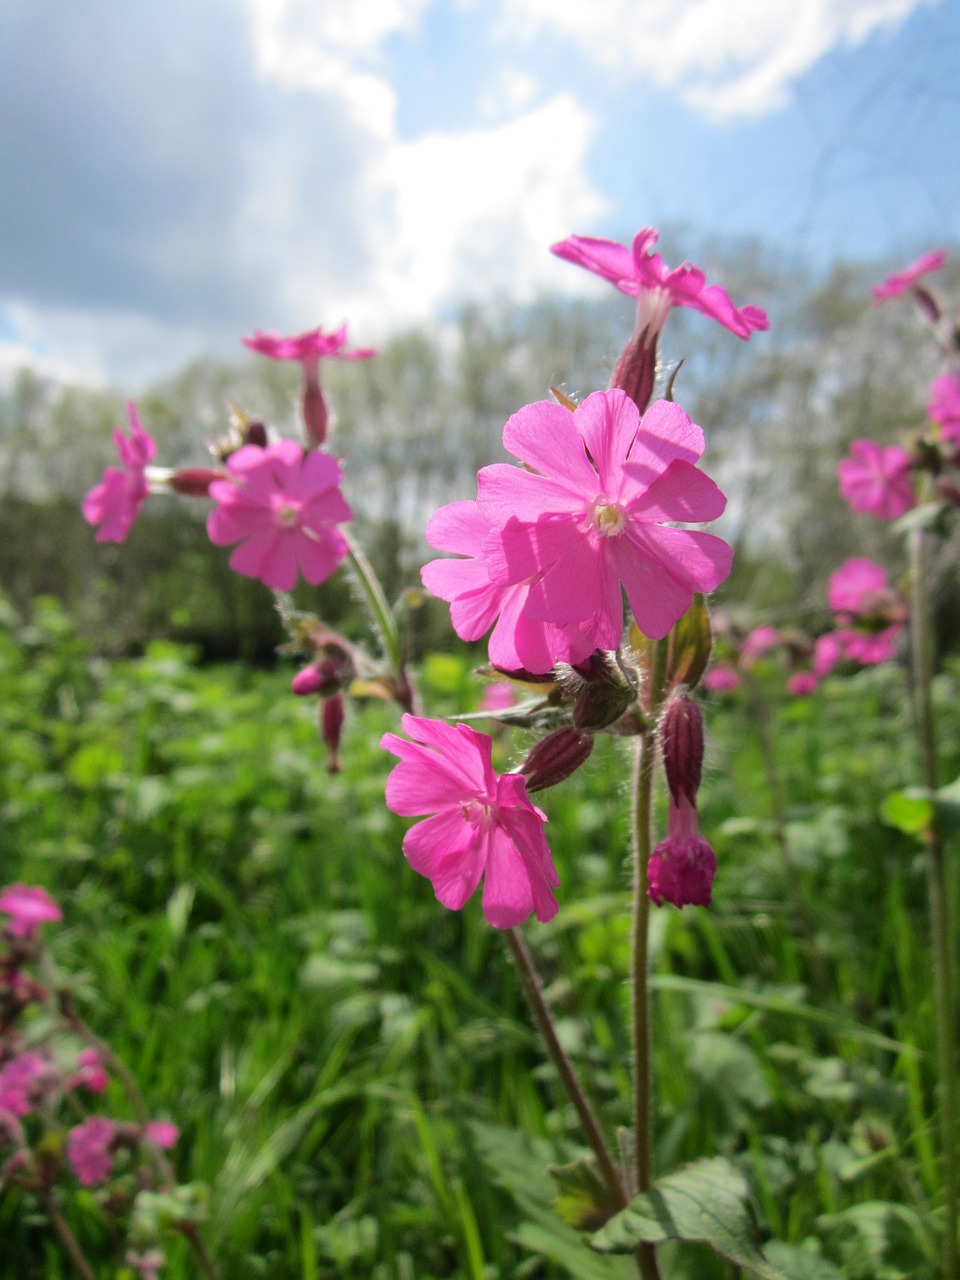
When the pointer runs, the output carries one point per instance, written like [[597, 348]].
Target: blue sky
[[177, 174]]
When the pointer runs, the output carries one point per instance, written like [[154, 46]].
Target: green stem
[[67, 1238], [642, 823], [383, 618], [533, 989], [939, 895]]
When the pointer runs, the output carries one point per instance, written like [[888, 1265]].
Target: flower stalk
[[939, 898]]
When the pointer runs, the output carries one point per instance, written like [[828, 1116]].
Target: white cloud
[[326, 46], [726, 58], [511, 90], [475, 212]]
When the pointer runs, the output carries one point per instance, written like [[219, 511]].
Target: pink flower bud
[[332, 716], [555, 757], [681, 744], [682, 867], [306, 681], [195, 482]]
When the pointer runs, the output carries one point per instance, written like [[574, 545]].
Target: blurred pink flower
[[642, 274], [723, 678], [113, 504], [89, 1150], [876, 479], [760, 641], [281, 506], [944, 405], [859, 586], [497, 697], [591, 513], [161, 1133], [27, 906], [518, 642], [309, 349], [828, 650], [900, 281], [21, 1079], [90, 1073], [870, 648], [682, 867], [483, 824], [801, 684]]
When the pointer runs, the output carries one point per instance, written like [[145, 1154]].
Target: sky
[[178, 173]]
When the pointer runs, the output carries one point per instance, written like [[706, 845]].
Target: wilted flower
[[876, 479], [483, 824], [113, 504], [682, 868], [282, 507]]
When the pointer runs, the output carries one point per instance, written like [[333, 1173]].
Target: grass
[[344, 1056]]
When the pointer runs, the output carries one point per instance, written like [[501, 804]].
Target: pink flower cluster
[[871, 617], [551, 546]]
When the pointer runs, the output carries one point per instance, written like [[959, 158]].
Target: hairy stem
[[939, 896], [533, 989], [384, 622]]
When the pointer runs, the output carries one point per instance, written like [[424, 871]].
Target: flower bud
[[555, 757], [636, 370], [332, 716], [681, 744], [316, 416], [195, 482], [606, 695], [255, 433]]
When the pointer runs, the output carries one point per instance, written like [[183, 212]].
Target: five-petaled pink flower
[[518, 642], [482, 823], [642, 274], [309, 349], [901, 281], [594, 514], [89, 1148], [682, 867], [113, 504], [876, 479], [944, 406], [282, 507], [27, 906]]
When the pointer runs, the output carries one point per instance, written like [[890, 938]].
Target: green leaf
[[910, 811], [584, 1200], [801, 1262], [878, 1239], [708, 1201]]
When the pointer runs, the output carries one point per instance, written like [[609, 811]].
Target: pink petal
[[608, 422], [547, 437], [450, 852], [666, 434], [682, 493]]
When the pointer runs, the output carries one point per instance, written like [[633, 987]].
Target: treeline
[[416, 424]]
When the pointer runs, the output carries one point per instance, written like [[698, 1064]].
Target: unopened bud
[[606, 695], [315, 414], [195, 482], [332, 715], [555, 758], [306, 681], [255, 433], [681, 744], [636, 370]]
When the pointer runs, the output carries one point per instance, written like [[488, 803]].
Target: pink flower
[[900, 281], [309, 348], [760, 641], [497, 697], [870, 648], [161, 1133], [21, 1080], [801, 684], [90, 1073], [944, 406], [682, 867], [723, 678], [594, 514], [483, 824], [642, 274], [27, 906], [89, 1150], [875, 479], [859, 586], [518, 642], [281, 506], [828, 650], [115, 501]]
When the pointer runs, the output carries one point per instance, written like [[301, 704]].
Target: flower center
[[608, 519], [287, 512], [483, 816]]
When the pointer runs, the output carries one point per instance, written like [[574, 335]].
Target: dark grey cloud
[[133, 139]]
